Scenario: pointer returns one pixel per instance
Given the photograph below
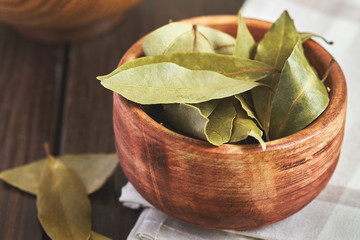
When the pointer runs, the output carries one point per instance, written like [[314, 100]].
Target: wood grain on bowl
[[59, 21], [231, 186]]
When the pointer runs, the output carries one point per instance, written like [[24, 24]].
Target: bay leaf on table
[[211, 121], [92, 169], [245, 45], [191, 41], [299, 98], [97, 236], [157, 42], [245, 126], [64, 209], [230, 66], [274, 49]]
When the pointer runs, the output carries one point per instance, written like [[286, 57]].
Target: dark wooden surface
[[49, 94]]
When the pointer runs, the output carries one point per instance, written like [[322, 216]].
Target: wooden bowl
[[58, 21], [232, 186]]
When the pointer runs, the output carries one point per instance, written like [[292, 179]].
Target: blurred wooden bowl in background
[[58, 21], [231, 186]]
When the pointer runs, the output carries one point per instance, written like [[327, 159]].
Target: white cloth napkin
[[335, 213]]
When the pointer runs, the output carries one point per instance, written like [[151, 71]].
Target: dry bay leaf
[[230, 66], [92, 169], [223, 43], [184, 77], [206, 108], [244, 126], [307, 35], [300, 97], [211, 121], [158, 41], [25, 177], [245, 44], [186, 118], [220, 125], [177, 84], [247, 108], [191, 41], [97, 236], [274, 49], [64, 209]]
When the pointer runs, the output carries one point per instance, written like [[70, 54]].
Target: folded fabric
[[327, 217], [155, 225], [335, 213]]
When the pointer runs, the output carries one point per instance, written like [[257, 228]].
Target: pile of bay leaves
[[61, 186], [221, 89]]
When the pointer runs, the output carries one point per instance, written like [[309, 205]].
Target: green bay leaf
[[245, 44], [64, 209], [92, 169], [300, 96], [274, 49]]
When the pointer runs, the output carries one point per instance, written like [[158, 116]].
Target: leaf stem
[[326, 74], [195, 38], [47, 149], [224, 46], [272, 70]]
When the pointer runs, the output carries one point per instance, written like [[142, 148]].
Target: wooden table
[[49, 94]]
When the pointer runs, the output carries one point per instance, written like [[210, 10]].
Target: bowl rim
[[336, 75]]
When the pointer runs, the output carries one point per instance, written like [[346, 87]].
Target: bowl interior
[[318, 57]]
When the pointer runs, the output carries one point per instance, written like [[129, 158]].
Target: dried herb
[[245, 44], [61, 186], [206, 93], [92, 169], [64, 209], [299, 98], [274, 49], [244, 125], [307, 35], [229, 66], [164, 38], [190, 41], [178, 84], [295, 98], [245, 106], [97, 236], [211, 121]]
